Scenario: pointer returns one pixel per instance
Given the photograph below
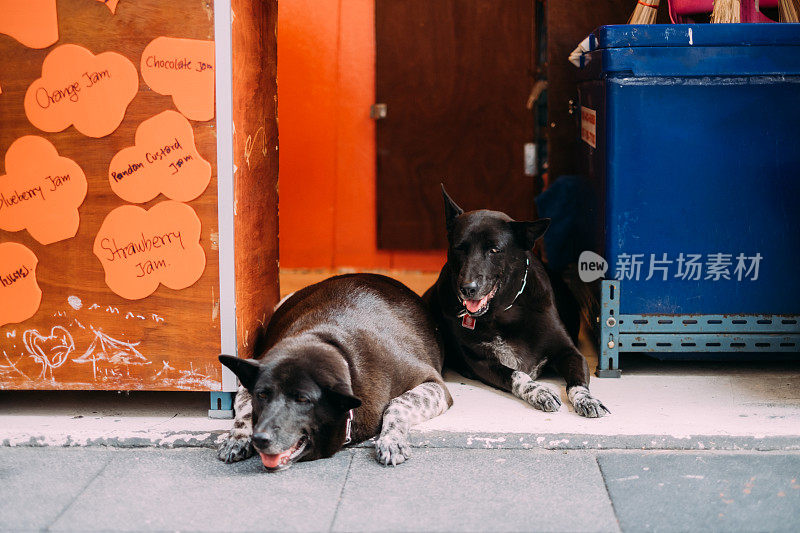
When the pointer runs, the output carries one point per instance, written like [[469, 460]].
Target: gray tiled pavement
[[191, 490], [468, 490], [450, 489], [726, 492], [37, 484]]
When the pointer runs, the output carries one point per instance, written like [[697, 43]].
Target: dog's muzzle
[[280, 461], [476, 308]]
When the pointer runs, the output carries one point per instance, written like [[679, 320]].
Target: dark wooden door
[[455, 76]]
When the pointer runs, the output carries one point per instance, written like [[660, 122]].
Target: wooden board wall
[[170, 339], [255, 156]]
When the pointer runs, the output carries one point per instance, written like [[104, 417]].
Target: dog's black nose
[[468, 290], [262, 439]]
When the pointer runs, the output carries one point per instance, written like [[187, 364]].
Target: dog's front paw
[[537, 394], [585, 404], [235, 448], [541, 397], [545, 400], [392, 449]]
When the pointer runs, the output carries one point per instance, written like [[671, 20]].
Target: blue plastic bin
[[692, 135]]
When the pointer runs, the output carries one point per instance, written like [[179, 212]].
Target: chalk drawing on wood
[[74, 302], [111, 351], [50, 351], [9, 368]]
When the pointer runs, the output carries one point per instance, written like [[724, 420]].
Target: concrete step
[[665, 406]]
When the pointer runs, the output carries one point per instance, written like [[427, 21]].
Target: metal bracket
[[710, 323], [687, 333], [609, 330], [709, 342], [221, 405]]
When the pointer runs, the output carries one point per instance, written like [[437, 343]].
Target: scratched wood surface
[[255, 157], [84, 336]]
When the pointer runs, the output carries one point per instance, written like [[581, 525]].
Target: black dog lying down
[[341, 356], [500, 318]]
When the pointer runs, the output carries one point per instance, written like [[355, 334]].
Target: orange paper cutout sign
[[41, 192], [140, 249], [20, 294], [111, 5], [164, 159], [183, 68], [33, 23], [77, 87]]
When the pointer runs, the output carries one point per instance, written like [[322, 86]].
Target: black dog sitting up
[[500, 317]]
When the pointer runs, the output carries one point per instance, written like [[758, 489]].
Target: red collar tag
[[468, 322]]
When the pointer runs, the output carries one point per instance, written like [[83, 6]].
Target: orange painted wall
[[326, 83]]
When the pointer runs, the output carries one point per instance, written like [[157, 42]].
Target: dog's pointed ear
[[245, 369], [527, 233], [341, 395], [451, 209]]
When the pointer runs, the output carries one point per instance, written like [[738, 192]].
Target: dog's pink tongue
[[474, 305], [274, 461]]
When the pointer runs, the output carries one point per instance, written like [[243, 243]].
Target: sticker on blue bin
[[589, 126]]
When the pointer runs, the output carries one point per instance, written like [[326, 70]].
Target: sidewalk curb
[[434, 439]]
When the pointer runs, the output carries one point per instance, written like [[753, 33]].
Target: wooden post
[[255, 158]]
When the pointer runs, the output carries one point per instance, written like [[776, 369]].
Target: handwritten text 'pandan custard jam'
[[158, 155], [18, 198], [133, 250], [71, 92], [177, 63]]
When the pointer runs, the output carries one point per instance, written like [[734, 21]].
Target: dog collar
[[349, 427], [524, 280]]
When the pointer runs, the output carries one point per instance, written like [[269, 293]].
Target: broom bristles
[[645, 12], [789, 11], [726, 11]]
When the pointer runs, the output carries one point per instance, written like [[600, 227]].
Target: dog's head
[[301, 398], [487, 250]]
